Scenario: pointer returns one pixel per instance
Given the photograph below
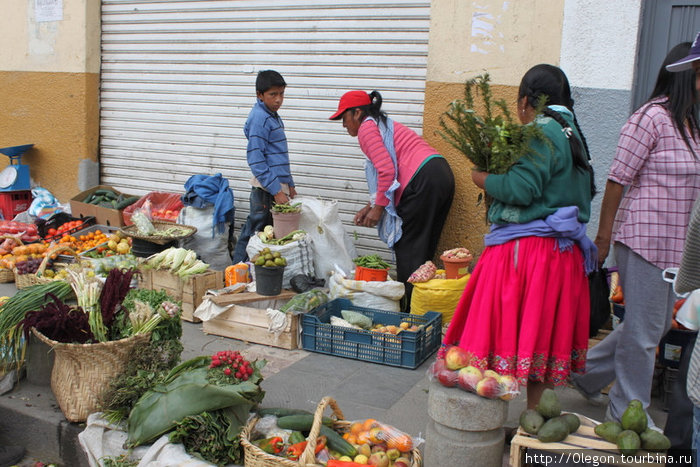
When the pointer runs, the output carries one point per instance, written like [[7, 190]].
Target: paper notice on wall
[[48, 10]]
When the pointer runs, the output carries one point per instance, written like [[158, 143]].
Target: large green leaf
[[187, 392]]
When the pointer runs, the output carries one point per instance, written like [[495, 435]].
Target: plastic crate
[[14, 202], [58, 220], [407, 349], [673, 344]]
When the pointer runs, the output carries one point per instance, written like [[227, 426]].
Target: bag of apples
[[453, 370], [381, 445]]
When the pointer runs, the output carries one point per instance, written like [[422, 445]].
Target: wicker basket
[[256, 457], [133, 231], [26, 280], [82, 372], [8, 275]]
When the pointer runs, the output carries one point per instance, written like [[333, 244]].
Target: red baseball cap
[[349, 100]]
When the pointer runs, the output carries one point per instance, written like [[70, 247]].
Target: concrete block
[[464, 429], [39, 362]]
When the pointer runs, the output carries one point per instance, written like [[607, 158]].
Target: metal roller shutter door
[[178, 81]]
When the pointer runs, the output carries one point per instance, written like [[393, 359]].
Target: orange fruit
[[363, 438], [355, 428], [369, 423]]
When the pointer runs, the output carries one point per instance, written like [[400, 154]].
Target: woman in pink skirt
[[525, 309]]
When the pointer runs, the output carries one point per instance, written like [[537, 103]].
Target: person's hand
[[281, 198], [603, 246], [361, 214], [292, 192], [373, 216], [479, 178]]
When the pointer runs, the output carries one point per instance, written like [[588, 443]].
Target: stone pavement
[[29, 415]]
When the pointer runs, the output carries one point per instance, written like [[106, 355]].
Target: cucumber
[[296, 437], [282, 412], [126, 202], [106, 193], [300, 422], [337, 443]]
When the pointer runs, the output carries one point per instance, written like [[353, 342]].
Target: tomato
[[52, 232]]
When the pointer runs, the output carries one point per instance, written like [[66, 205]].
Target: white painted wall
[[599, 42]]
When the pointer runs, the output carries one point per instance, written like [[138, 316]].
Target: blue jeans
[[258, 218]]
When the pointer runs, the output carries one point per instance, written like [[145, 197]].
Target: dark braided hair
[[550, 83], [679, 90]]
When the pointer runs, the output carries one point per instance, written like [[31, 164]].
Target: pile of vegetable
[[145, 228], [286, 207], [204, 403], [180, 261], [267, 235], [64, 229], [13, 311], [28, 233], [371, 262], [109, 199]]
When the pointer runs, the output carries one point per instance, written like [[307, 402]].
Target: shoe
[[10, 455], [594, 399]]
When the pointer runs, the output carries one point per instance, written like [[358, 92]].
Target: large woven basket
[[256, 457], [133, 231], [27, 280], [82, 372], [8, 275]]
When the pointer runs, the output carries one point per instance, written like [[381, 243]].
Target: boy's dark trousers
[[259, 217]]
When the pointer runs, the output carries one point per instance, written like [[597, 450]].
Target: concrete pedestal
[[464, 429]]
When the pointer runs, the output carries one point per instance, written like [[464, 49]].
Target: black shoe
[[10, 455]]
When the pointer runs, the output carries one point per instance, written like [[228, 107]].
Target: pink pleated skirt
[[525, 311]]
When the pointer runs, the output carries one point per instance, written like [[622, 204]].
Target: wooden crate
[[247, 320], [582, 443], [190, 292]]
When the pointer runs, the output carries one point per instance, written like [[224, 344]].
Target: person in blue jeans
[[268, 158]]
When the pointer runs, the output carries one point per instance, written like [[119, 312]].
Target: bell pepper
[[294, 451], [272, 445], [296, 437]]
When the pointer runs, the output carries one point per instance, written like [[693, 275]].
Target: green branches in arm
[[608, 210]]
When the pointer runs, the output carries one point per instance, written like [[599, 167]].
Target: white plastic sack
[[381, 295], [212, 250], [299, 256], [331, 243], [688, 312]]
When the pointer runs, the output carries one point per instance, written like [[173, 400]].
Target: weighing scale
[[15, 176]]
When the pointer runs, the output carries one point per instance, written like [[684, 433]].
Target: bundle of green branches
[[492, 141]]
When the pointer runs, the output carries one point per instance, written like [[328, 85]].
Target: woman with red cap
[[411, 185]]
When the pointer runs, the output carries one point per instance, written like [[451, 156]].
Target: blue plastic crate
[[407, 349]]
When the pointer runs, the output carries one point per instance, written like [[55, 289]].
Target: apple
[[509, 387], [469, 377], [456, 358], [448, 378], [381, 447], [364, 449], [393, 454], [402, 462], [492, 374], [437, 366], [360, 459], [488, 387], [379, 459]]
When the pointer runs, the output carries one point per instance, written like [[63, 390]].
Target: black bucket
[[268, 281], [144, 248]]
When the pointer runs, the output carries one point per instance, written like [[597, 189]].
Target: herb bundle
[[492, 141], [212, 436]]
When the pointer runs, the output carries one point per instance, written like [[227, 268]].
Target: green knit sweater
[[542, 181]]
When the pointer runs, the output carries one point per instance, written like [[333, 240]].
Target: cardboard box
[[247, 320], [584, 442], [190, 292], [104, 216]]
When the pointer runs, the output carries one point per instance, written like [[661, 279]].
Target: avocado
[[531, 421], [629, 443], [572, 421], [654, 441], [549, 406], [609, 431], [555, 429], [634, 418]]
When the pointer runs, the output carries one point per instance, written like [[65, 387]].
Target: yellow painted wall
[[466, 39], [49, 76]]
